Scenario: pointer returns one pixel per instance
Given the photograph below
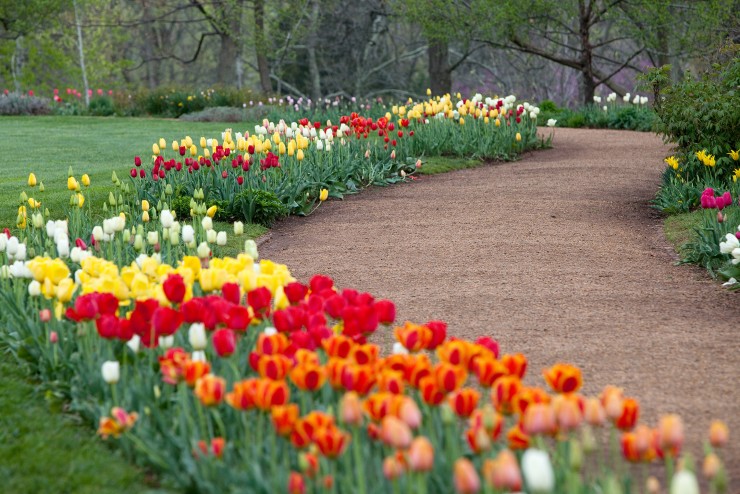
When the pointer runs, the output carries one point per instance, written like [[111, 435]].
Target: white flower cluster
[[57, 231], [731, 246], [637, 100]]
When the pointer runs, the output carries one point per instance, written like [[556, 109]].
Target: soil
[[558, 256]]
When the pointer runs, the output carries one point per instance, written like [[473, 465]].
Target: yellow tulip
[[155, 149], [145, 216], [281, 148], [144, 205], [324, 195], [299, 155], [462, 121], [65, 290], [162, 143], [202, 142], [176, 146], [518, 137], [212, 211], [485, 120], [33, 203], [498, 122], [80, 200], [735, 155], [188, 141], [207, 153], [429, 92], [276, 138], [32, 180], [86, 180], [193, 150], [72, 183], [291, 148]]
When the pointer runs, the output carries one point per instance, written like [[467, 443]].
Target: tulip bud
[[211, 236], [238, 228], [32, 180], [41, 187], [395, 432], [652, 485], [111, 199], [45, 316], [212, 211], [447, 414], [465, 477], [203, 250], [111, 371], [138, 243], [350, 409], [711, 466], [34, 288], [718, 434], [197, 336], [250, 248], [221, 238], [207, 223], [576, 455], [392, 468], [152, 238]]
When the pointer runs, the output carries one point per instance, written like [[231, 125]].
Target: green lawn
[[42, 450], [679, 228]]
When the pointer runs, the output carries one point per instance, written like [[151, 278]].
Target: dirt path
[[557, 256]]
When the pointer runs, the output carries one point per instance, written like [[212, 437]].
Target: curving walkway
[[557, 256]]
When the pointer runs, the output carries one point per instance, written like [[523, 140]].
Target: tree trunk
[[313, 66], [82, 54], [440, 76], [260, 46], [587, 75], [225, 72]]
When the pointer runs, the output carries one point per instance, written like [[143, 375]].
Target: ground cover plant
[[220, 371], [610, 112]]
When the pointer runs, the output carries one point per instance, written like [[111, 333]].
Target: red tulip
[[174, 288], [166, 321], [107, 326], [224, 342]]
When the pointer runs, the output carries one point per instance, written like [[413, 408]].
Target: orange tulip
[[711, 466], [539, 419], [488, 370], [638, 446], [392, 468], [414, 337], [210, 389], [296, 484], [271, 393], [350, 409], [503, 393], [564, 378], [465, 477], [335, 370], [308, 377], [119, 422], [284, 418], [418, 367], [271, 344], [364, 354], [303, 432], [195, 370], [216, 448], [568, 411], [409, 412], [420, 456], [719, 434], [338, 346], [397, 363], [359, 378], [517, 438], [449, 377], [611, 399], [306, 357], [594, 412], [242, 396], [331, 441], [630, 413], [172, 365], [464, 401], [395, 433], [275, 367], [478, 439], [516, 364], [670, 434], [491, 421], [378, 405], [455, 352], [527, 396], [502, 473], [391, 382], [430, 391]]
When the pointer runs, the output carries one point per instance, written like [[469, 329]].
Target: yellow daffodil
[[735, 155], [672, 162], [324, 195], [211, 212], [32, 180], [86, 180]]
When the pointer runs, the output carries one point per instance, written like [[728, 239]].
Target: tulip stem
[[668, 469], [359, 464]]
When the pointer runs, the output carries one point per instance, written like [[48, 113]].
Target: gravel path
[[558, 256]]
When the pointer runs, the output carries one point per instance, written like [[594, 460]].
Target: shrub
[[216, 114], [258, 206], [20, 104], [700, 114], [101, 106]]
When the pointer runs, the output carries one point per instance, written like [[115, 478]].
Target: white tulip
[[211, 236], [21, 254], [626, 98], [12, 246], [551, 122], [250, 248], [533, 115], [166, 341], [174, 237], [207, 223], [636, 101], [176, 227], [97, 233], [221, 239], [736, 256], [643, 100], [731, 243], [152, 238], [399, 349], [108, 227], [111, 371], [134, 343], [597, 99], [166, 218], [3, 242], [188, 234], [684, 482], [203, 250], [19, 269], [269, 331], [34, 288], [537, 471], [63, 249], [238, 228], [197, 336], [199, 356], [50, 227], [119, 223], [320, 145], [605, 108]]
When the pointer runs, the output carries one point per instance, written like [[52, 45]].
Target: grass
[[442, 164], [679, 228], [42, 450]]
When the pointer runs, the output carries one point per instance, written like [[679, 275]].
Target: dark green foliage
[[21, 104], [702, 114], [703, 248], [101, 106], [618, 116], [258, 206]]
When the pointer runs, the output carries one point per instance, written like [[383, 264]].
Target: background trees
[[566, 50]]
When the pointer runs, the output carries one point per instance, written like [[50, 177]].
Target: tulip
[[331, 441], [420, 455], [563, 378], [718, 434], [652, 485], [203, 250], [350, 409], [86, 180], [670, 434], [210, 389], [465, 477], [503, 472], [111, 371], [188, 234], [711, 466], [238, 228], [324, 195], [166, 218], [684, 482], [221, 239], [211, 236], [395, 433], [224, 342], [250, 248], [32, 180], [197, 336], [392, 468], [119, 422], [537, 471], [409, 413], [296, 483], [45, 316], [518, 137], [539, 418], [207, 223], [211, 212], [630, 413], [155, 149], [594, 413]]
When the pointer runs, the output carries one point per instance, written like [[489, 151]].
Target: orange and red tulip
[[378, 405], [478, 439], [455, 352], [516, 364], [284, 418], [242, 395], [308, 377], [489, 419], [119, 422], [719, 434], [564, 378], [366, 354], [517, 438], [271, 344], [430, 391], [391, 381], [449, 377], [630, 413], [359, 378], [504, 392], [414, 337], [338, 346], [527, 396], [464, 401], [194, 370], [210, 389], [418, 367], [296, 484], [275, 367], [670, 434], [465, 477], [488, 370], [335, 370], [271, 393], [331, 441]]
